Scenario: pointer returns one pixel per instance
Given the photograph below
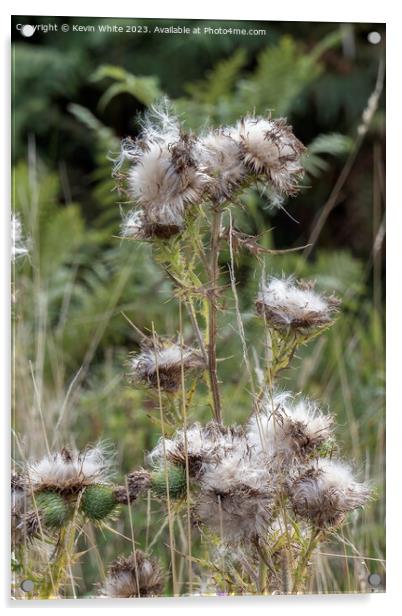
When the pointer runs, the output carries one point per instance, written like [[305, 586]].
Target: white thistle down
[[69, 470], [236, 497], [286, 428], [136, 226], [270, 148], [221, 158], [137, 575], [199, 446], [165, 177], [326, 491], [161, 364], [289, 304]]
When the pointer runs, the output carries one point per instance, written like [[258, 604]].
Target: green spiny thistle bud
[[54, 510], [176, 478], [98, 501]]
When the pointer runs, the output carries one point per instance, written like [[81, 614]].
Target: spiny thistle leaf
[[98, 502]]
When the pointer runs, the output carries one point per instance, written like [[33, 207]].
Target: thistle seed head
[[290, 305], [199, 446], [221, 158], [326, 491], [136, 226], [162, 363], [270, 148], [137, 575], [236, 498], [287, 429], [68, 471], [165, 176]]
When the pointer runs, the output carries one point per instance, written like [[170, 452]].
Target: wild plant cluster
[[262, 496]]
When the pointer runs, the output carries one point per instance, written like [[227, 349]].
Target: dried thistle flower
[[162, 362], [165, 176], [137, 575], [326, 491], [68, 471], [136, 226], [221, 158], [137, 482], [289, 429], [270, 148], [26, 527], [19, 503], [236, 497], [18, 493], [287, 304], [198, 446]]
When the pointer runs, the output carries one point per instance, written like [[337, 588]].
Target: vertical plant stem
[[61, 562], [130, 516], [212, 314], [169, 510], [300, 573], [184, 413]]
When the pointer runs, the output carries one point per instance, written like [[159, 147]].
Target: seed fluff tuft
[[162, 363], [326, 491], [236, 498], [270, 148], [69, 471], [165, 176], [287, 429], [289, 304], [201, 445], [137, 575], [221, 158]]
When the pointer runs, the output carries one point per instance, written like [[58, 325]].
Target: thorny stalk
[[212, 312]]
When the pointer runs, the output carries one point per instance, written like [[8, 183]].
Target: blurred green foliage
[[74, 97]]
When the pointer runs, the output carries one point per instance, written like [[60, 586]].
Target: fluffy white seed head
[[162, 364], [137, 575], [270, 148], [136, 226], [165, 176], [201, 445], [289, 304], [326, 491], [221, 157], [236, 498], [69, 470], [285, 428]]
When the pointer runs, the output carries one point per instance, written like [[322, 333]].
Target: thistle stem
[[212, 314], [300, 573]]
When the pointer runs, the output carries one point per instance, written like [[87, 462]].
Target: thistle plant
[[266, 494], [260, 497]]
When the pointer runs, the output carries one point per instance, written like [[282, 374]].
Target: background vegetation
[[75, 95]]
